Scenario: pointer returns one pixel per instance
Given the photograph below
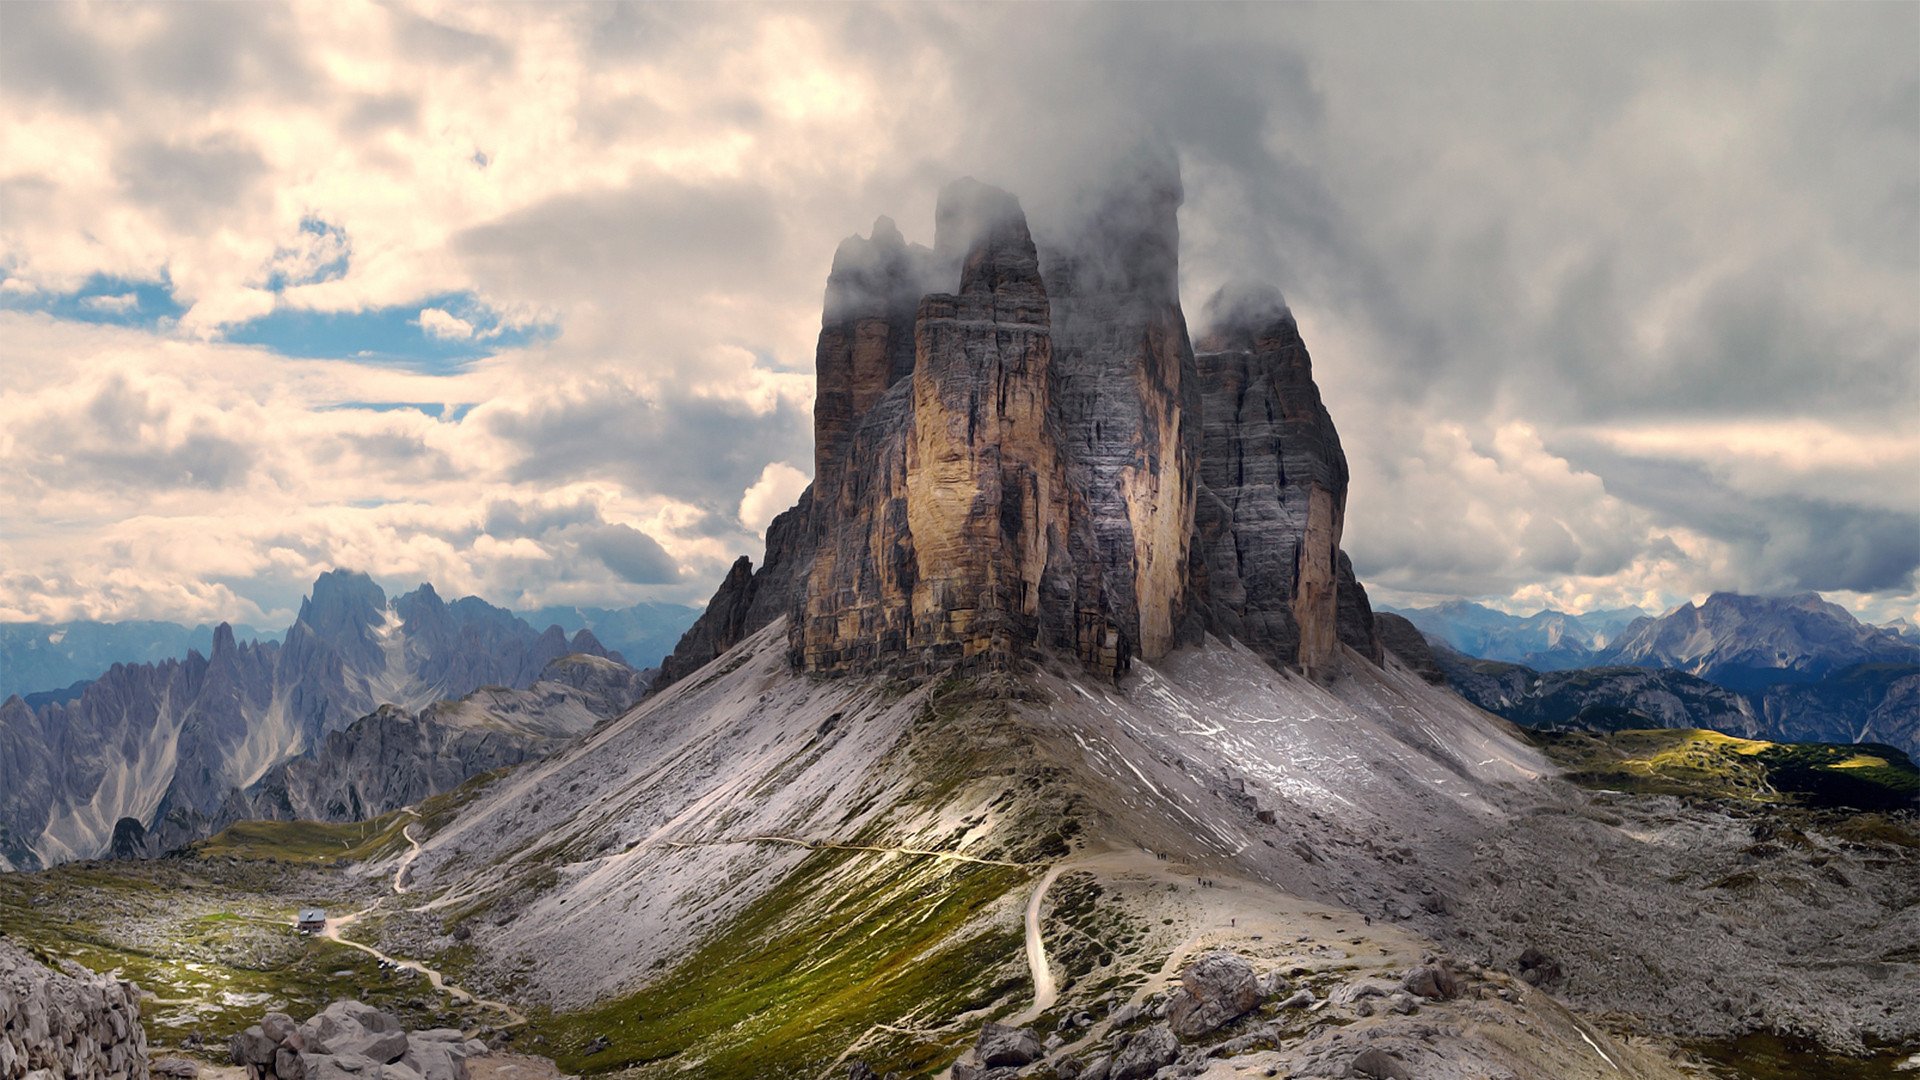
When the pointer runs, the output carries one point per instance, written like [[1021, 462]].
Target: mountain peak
[[1029, 457]]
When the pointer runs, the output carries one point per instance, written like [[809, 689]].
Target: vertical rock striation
[[1268, 569], [1126, 402], [1037, 460], [983, 485]]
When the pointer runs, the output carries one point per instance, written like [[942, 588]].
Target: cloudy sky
[[1612, 303]]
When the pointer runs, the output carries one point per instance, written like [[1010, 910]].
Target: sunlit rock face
[[1126, 403], [1016, 451]]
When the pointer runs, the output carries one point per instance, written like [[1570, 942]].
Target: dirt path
[[334, 926], [1045, 990], [400, 885]]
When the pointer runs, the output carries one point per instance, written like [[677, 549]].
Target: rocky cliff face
[[165, 744], [1029, 456], [1274, 496], [67, 1023]]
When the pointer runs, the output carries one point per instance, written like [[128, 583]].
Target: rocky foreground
[[349, 1040], [66, 1023]]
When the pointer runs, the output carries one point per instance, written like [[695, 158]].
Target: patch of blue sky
[[452, 412], [389, 336], [116, 301]]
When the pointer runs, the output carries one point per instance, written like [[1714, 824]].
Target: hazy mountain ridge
[[643, 634], [49, 662], [49, 658], [1748, 643], [1545, 640], [1791, 669], [166, 743], [394, 757]]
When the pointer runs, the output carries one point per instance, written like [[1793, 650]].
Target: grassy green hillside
[[1680, 761]]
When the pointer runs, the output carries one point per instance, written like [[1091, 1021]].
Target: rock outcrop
[[349, 1040], [1215, 989], [748, 599], [1404, 640], [1268, 568], [1038, 461], [937, 521], [1127, 405], [56, 1024]]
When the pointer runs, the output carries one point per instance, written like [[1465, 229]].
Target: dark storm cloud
[[377, 112], [447, 44], [630, 553], [208, 52], [701, 451], [120, 438], [1782, 543], [575, 245], [192, 183], [46, 54]]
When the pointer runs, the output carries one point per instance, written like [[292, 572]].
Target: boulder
[[1374, 1063], [277, 1026], [252, 1047], [435, 1059], [1001, 1045], [1537, 968], [1149, 1051], [1215, 989], [1434, 981]]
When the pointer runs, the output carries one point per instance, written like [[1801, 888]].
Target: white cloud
[[1668, 244], [444, 324], [118, 304], [780, 484]]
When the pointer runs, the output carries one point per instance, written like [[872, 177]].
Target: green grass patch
[[847, 941], [309, 841], [1764, 1055], [1708, 764]]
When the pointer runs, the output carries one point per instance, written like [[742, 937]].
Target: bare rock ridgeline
[[62, 1024], [1017, 448]]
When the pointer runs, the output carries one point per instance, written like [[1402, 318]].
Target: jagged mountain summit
[[166, 744], [45, 660], [1752, 642], [1038, 460]]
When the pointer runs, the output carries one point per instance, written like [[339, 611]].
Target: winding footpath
[[1045, 991], [334, 926]]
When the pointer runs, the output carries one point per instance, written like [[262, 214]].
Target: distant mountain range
[[52, 662], [1790, 669], [642, 634], [1545, 640], [168, 743]]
